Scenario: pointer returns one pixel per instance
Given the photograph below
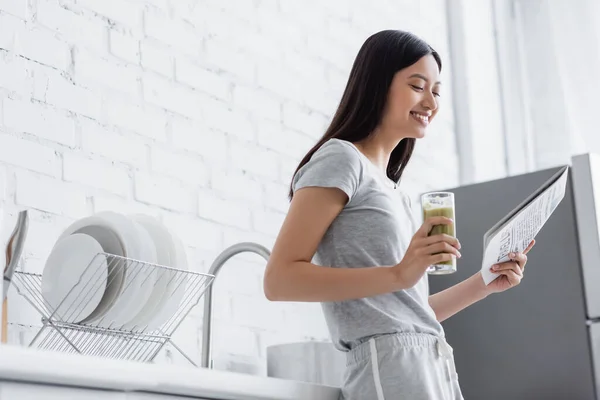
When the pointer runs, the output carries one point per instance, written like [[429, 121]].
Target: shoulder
[[336, 163], [339, 150]]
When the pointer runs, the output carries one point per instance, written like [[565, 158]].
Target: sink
[[311, 361]]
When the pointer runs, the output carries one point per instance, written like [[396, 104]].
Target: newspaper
[[514, 232]]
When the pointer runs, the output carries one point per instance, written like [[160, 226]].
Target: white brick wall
[[124, 46], [50, 195], [100, 174], [98, 73], [37, 44], [40, 120], [39, 158], [143, 119], [202, 79], [13, 73], [194, 136], [196, 112], [111, 145], [73, 27], [156, 57], [15, 7], [62, 93]]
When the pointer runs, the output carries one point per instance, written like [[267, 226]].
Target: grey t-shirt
[[374, 229]]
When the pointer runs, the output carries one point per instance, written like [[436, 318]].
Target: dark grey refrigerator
[[540, 340]]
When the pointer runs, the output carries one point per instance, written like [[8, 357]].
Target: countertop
[[53, 368]]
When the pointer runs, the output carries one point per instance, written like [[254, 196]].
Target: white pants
[[401, 366]]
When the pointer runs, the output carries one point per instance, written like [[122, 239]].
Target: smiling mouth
[[423, 119]]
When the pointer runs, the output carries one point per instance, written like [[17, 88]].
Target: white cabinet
[[32, 391]]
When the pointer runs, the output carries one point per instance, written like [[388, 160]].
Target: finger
[[439, 258], [519, 258], [529, 247], [506, 266], [442, 238], [519, 271], [431, 222], [442, 247], [512, 276]]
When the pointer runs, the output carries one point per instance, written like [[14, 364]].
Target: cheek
[[401, 106], [398, 114]]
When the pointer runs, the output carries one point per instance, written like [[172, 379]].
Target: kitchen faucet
[[221, 259]]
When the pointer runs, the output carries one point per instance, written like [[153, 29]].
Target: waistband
[[398, 340]]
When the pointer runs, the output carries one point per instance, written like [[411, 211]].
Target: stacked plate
[[108, 270]]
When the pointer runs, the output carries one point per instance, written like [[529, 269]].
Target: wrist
[[393, 278], [481, 289]]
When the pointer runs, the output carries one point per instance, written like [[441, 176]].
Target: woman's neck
[[378, 150]]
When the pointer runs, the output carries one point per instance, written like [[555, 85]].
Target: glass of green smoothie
[[437, 204]]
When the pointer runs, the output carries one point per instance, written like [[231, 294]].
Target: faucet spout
[[245, 247]]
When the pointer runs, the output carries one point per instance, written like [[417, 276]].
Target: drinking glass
[[436, 204]]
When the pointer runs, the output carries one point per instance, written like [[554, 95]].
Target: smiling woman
[[348, 216]]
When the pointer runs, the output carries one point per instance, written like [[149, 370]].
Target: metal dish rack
[[65, 329]]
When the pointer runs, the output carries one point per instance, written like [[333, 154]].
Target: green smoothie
[[439, 229]]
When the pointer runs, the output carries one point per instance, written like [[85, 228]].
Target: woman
[[348, 215]]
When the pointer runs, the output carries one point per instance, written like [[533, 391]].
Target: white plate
[[175, 289], [139, 278], [136, 244], [74, 277], [110, 234], [116, 273], [165, 254]]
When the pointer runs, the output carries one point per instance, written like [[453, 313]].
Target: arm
[[290, 276], [458, 297]]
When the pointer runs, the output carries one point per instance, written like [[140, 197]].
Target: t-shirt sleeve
[[334, 165]]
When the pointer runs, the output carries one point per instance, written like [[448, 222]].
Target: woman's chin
[[414, 133], [420, 134]]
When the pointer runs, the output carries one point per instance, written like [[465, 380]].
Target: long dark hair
[[363, 102]]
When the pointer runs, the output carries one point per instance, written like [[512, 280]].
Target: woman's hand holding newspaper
[[511, 272]]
